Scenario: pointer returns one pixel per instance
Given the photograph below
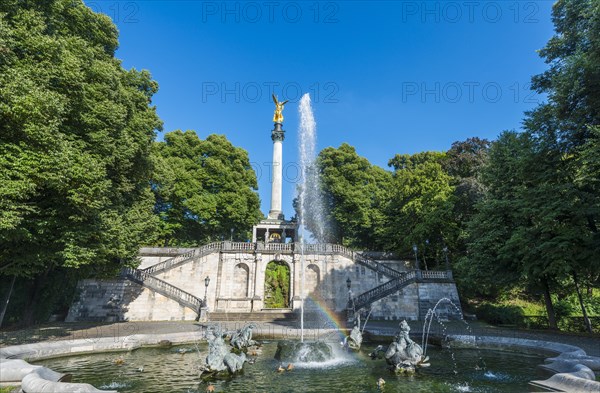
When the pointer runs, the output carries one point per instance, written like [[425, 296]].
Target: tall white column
[[276, 182]]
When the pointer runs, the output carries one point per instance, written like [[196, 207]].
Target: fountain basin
[[175, 370], [85, 366]]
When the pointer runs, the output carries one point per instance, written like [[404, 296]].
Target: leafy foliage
[[75, 136], [370, 208], [420, 211], [277, 285], [204, 189], [500, 314], [537, 222], [354, 194]]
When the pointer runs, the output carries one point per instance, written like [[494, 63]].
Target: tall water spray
[[309, 200]]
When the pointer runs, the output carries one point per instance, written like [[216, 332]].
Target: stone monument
[[275, 228]]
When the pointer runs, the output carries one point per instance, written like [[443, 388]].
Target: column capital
[[277, 134]]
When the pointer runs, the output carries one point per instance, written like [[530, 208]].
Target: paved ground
[[64, 331]]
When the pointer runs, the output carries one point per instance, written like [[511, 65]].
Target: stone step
[[219, 316]]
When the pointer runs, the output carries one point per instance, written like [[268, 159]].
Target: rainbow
[[330, 320]]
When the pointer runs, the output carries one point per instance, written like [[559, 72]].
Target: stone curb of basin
[[573, 369], [14, 370]]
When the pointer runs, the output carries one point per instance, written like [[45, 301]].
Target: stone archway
[[277, 285]]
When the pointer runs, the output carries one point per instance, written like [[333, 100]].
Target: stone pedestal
[[203, 317]]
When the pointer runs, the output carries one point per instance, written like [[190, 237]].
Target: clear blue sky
[[387, 77]]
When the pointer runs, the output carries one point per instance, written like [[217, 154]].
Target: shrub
[[500, 314]]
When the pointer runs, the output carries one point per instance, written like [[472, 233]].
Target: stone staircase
[[164, 288], [183, 258], [420, 276], [146, 277], [375, 266]]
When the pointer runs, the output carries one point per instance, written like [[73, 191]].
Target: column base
[[276, 215], [257, 304]]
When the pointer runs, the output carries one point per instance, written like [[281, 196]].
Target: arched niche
[[277, 285], [241, 274], [312, 278]]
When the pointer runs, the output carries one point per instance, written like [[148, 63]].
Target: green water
[[166, 370]]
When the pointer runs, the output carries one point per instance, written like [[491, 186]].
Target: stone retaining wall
[[237, 284]]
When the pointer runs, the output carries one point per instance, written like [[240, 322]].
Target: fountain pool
[[174, 369]]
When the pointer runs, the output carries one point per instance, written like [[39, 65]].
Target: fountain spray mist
[[309, 200]]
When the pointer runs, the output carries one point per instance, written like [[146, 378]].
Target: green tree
[[572, 81], [563, 128], [530, 227], [420, 211], [465, 158], [354, 194], [488, 267], [508, 231], [75, 136], [204, 189], [464, 162], [538, 220], [587, 179]]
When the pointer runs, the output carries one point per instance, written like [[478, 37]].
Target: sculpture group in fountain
[[220, 359], [403, 354], [242, 339]]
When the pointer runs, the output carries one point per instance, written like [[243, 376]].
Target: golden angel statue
[[278, 116]]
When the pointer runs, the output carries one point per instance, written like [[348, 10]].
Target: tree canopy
[[82, 183], [353, 195], [75, 136], [205, 189], [538, 220]]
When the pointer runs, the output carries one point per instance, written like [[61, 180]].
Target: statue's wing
[[274, 98], [285, 102]]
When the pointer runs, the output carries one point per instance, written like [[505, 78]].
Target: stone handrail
[[182, 258], [239, 246], [279, 247], [182, 297], [386, 289], [383, 290], [376, 266], [435, 275], [228, 246], [360, 258], [357, 257]]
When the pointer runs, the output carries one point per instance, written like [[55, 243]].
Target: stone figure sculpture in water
[[354, 340], [242, 339], [220, 361], [403, 354]]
